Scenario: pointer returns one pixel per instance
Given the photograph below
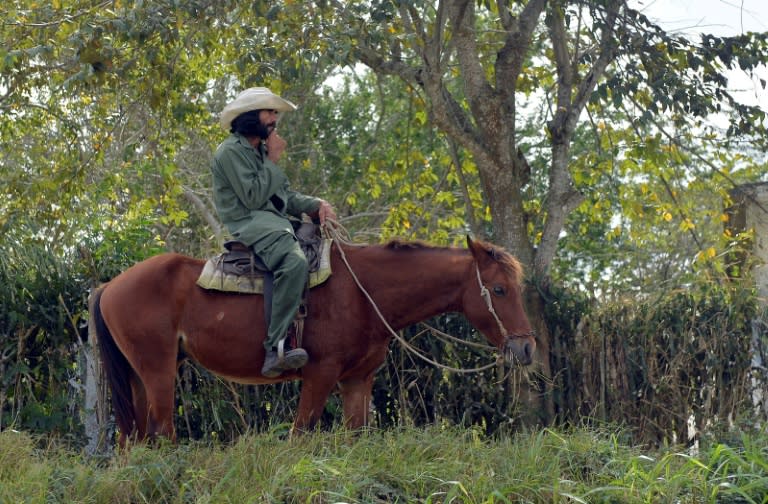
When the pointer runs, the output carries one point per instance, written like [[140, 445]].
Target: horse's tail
[[117, 368]]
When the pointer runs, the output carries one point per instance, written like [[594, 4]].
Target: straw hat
[[256, 98]]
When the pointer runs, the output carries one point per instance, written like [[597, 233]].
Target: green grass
[[430, 465]]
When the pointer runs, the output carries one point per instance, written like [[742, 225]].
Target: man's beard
[[263, 130]]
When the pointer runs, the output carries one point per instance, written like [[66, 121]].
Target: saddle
[[239, 269], [239, 260]]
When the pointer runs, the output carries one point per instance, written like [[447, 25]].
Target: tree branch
[[204, 212], [511, 57]]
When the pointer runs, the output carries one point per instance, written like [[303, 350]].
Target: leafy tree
[[571, 132], [471, 61]]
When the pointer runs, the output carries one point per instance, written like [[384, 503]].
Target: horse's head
[[493, 302]]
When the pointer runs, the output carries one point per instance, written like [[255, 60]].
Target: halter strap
[[486, 295]]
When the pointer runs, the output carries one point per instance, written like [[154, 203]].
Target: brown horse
[[153, 315]]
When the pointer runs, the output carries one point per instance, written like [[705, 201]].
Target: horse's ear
[[475, 248], [481, 252], [472, 245]]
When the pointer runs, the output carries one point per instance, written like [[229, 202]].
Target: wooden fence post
[[750, 213], [96, 406]]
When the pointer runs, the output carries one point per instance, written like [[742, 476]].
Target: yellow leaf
[[687, 224], [667, 216]]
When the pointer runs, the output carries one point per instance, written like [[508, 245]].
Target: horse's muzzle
[[519, 349]]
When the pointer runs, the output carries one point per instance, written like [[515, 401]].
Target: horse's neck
[[412, 285]]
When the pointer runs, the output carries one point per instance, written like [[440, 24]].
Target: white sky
[[718, 17]]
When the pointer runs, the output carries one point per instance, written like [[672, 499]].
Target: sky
[[718, 17]]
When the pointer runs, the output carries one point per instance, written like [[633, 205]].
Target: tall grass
[[432, 465]]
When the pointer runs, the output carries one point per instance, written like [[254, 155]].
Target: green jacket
[[252, 195]]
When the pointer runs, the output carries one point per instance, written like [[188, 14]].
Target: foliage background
[[109, 109]]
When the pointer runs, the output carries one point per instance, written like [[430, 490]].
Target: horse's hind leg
[[140, 408], [159, 403], [153, 386], [152, 413], [138, 429], [139, 401]]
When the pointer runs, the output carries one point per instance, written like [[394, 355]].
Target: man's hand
[[275, 146], [325, 211]]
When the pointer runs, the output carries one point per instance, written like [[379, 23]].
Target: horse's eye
[[499, 290]]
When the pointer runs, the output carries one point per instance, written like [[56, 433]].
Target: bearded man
[[254, 201]]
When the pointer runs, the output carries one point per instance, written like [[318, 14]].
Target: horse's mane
[[399, 244], [510, 264]]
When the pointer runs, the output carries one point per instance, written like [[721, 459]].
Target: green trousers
[[288, 264]]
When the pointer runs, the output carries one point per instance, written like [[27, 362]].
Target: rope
[[443, 335], [337, 232], [486, 295]]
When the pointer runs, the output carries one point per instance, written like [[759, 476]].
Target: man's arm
[[252, 186]]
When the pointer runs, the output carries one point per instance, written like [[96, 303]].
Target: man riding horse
[[254, 201]]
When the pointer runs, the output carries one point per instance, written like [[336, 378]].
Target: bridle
[[486, 295]]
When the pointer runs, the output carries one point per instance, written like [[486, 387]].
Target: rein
[[332, 228]]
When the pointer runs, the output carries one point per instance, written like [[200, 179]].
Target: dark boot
[[271, 367], [277, 361]]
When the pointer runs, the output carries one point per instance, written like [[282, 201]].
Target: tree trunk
[[481, 118]]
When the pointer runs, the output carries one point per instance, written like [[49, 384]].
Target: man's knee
[[296, 262], [293, 261], [284, 253]]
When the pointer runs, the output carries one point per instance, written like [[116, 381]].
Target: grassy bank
[[407, 465]]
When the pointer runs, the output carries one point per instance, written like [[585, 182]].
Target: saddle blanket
[[213, 278]]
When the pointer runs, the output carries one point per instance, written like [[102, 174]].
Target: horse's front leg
[[356, 400], [315, 389]]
